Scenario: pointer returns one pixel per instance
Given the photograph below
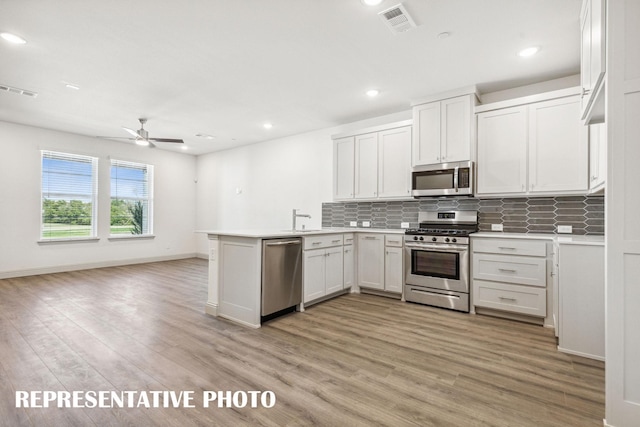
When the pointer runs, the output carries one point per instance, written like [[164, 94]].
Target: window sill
[[68, 240], [132, 237]]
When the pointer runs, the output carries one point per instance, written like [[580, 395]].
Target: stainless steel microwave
[[443, 179]]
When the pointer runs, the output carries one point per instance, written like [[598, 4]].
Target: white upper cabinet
[[597, 157], [536, 148], [558, 148], [366, 166], [343, 164], [502, 151], [394, 160], [442, 131], [373, 164], [592, 60]]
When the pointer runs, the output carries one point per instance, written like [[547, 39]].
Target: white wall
[[20, 180], [274, 177]]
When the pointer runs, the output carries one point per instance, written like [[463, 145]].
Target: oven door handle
[[439, 248]]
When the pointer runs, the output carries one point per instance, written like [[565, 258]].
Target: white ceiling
[[226, 67]]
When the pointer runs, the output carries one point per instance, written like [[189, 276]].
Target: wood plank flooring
[[355, 360]]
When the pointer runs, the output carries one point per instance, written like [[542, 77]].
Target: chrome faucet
[[296, 215]]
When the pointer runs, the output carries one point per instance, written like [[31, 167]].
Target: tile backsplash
[[517, 215]]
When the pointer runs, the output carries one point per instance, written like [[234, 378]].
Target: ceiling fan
[[141, 136]]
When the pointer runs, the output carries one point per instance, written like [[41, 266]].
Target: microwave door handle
[[455, 178]]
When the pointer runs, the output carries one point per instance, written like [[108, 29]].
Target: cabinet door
[[349, 264], [394, 162], [343, 164], [557, 146], [597, 155], [334, 271], [502, 151], [585, 53], [371, 261], [455, 126], [581, 306], [314, 274], [393, 269], [426, 136], [366, 166]]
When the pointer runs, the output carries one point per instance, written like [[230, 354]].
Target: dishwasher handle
[[286, 242]]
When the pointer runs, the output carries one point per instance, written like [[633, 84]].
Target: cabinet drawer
[[394, 240], [322, 241], [515, 298], [348, 238], [511, 269], [510, 246]]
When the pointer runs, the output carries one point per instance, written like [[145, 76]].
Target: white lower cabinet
[[380, 262], [510, 275], [349, 257], [581, 278], [323, 266]]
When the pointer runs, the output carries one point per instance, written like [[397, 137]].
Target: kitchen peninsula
[[235, 267]]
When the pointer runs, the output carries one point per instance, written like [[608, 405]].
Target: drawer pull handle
[[316, 243], [335, 241], [370, 237], [508, 270], [507, 299], [394, 241], [506, 248]]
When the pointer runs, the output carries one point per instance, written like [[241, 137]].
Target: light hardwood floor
[[355, 360]]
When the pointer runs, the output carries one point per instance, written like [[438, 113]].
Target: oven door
[[438, 266]]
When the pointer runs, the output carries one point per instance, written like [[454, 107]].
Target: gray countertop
[[271, 233]]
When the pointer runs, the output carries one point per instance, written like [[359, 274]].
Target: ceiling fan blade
[[116, 137], [132, 132], [179, 141]]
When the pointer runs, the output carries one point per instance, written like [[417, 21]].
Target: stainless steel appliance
[[444, 179], [437, 259], [281, 275]]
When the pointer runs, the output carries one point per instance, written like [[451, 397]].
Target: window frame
[[149, 182], [80, 158]]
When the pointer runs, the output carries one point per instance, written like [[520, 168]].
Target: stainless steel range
[[437, 259]]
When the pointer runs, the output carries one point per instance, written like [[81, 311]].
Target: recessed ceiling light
[[184, 147], [371, 2], [530, 51], [12, 38], [372, 93], [267, 125], [205, 136], [444, 35]]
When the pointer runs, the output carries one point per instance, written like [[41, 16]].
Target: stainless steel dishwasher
[[281, 275]]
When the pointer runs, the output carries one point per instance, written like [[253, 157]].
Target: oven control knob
[[434, 239], [415, 237], [446, 239], [421, 238], [454, 240]]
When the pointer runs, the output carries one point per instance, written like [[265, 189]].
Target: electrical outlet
[[496, 227], [353, 223], [366, 223], [404, 225], [565, 229]]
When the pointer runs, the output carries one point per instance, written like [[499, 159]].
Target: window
[[69, 190], [131, 198]]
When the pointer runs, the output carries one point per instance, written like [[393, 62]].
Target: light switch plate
[[404, 225], [565, 229], [366, 223], [496, 227], [353, 223]]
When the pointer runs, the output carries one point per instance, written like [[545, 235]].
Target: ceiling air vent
[[19, 91], [397, 19]]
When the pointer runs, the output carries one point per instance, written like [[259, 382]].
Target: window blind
[[131, 198], [69, 194]]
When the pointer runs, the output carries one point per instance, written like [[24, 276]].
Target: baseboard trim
[[202, 255], [92, 265], [211, 309]]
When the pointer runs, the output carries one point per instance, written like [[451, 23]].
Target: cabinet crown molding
[[362, 131], [468, 90], [545, 96]]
